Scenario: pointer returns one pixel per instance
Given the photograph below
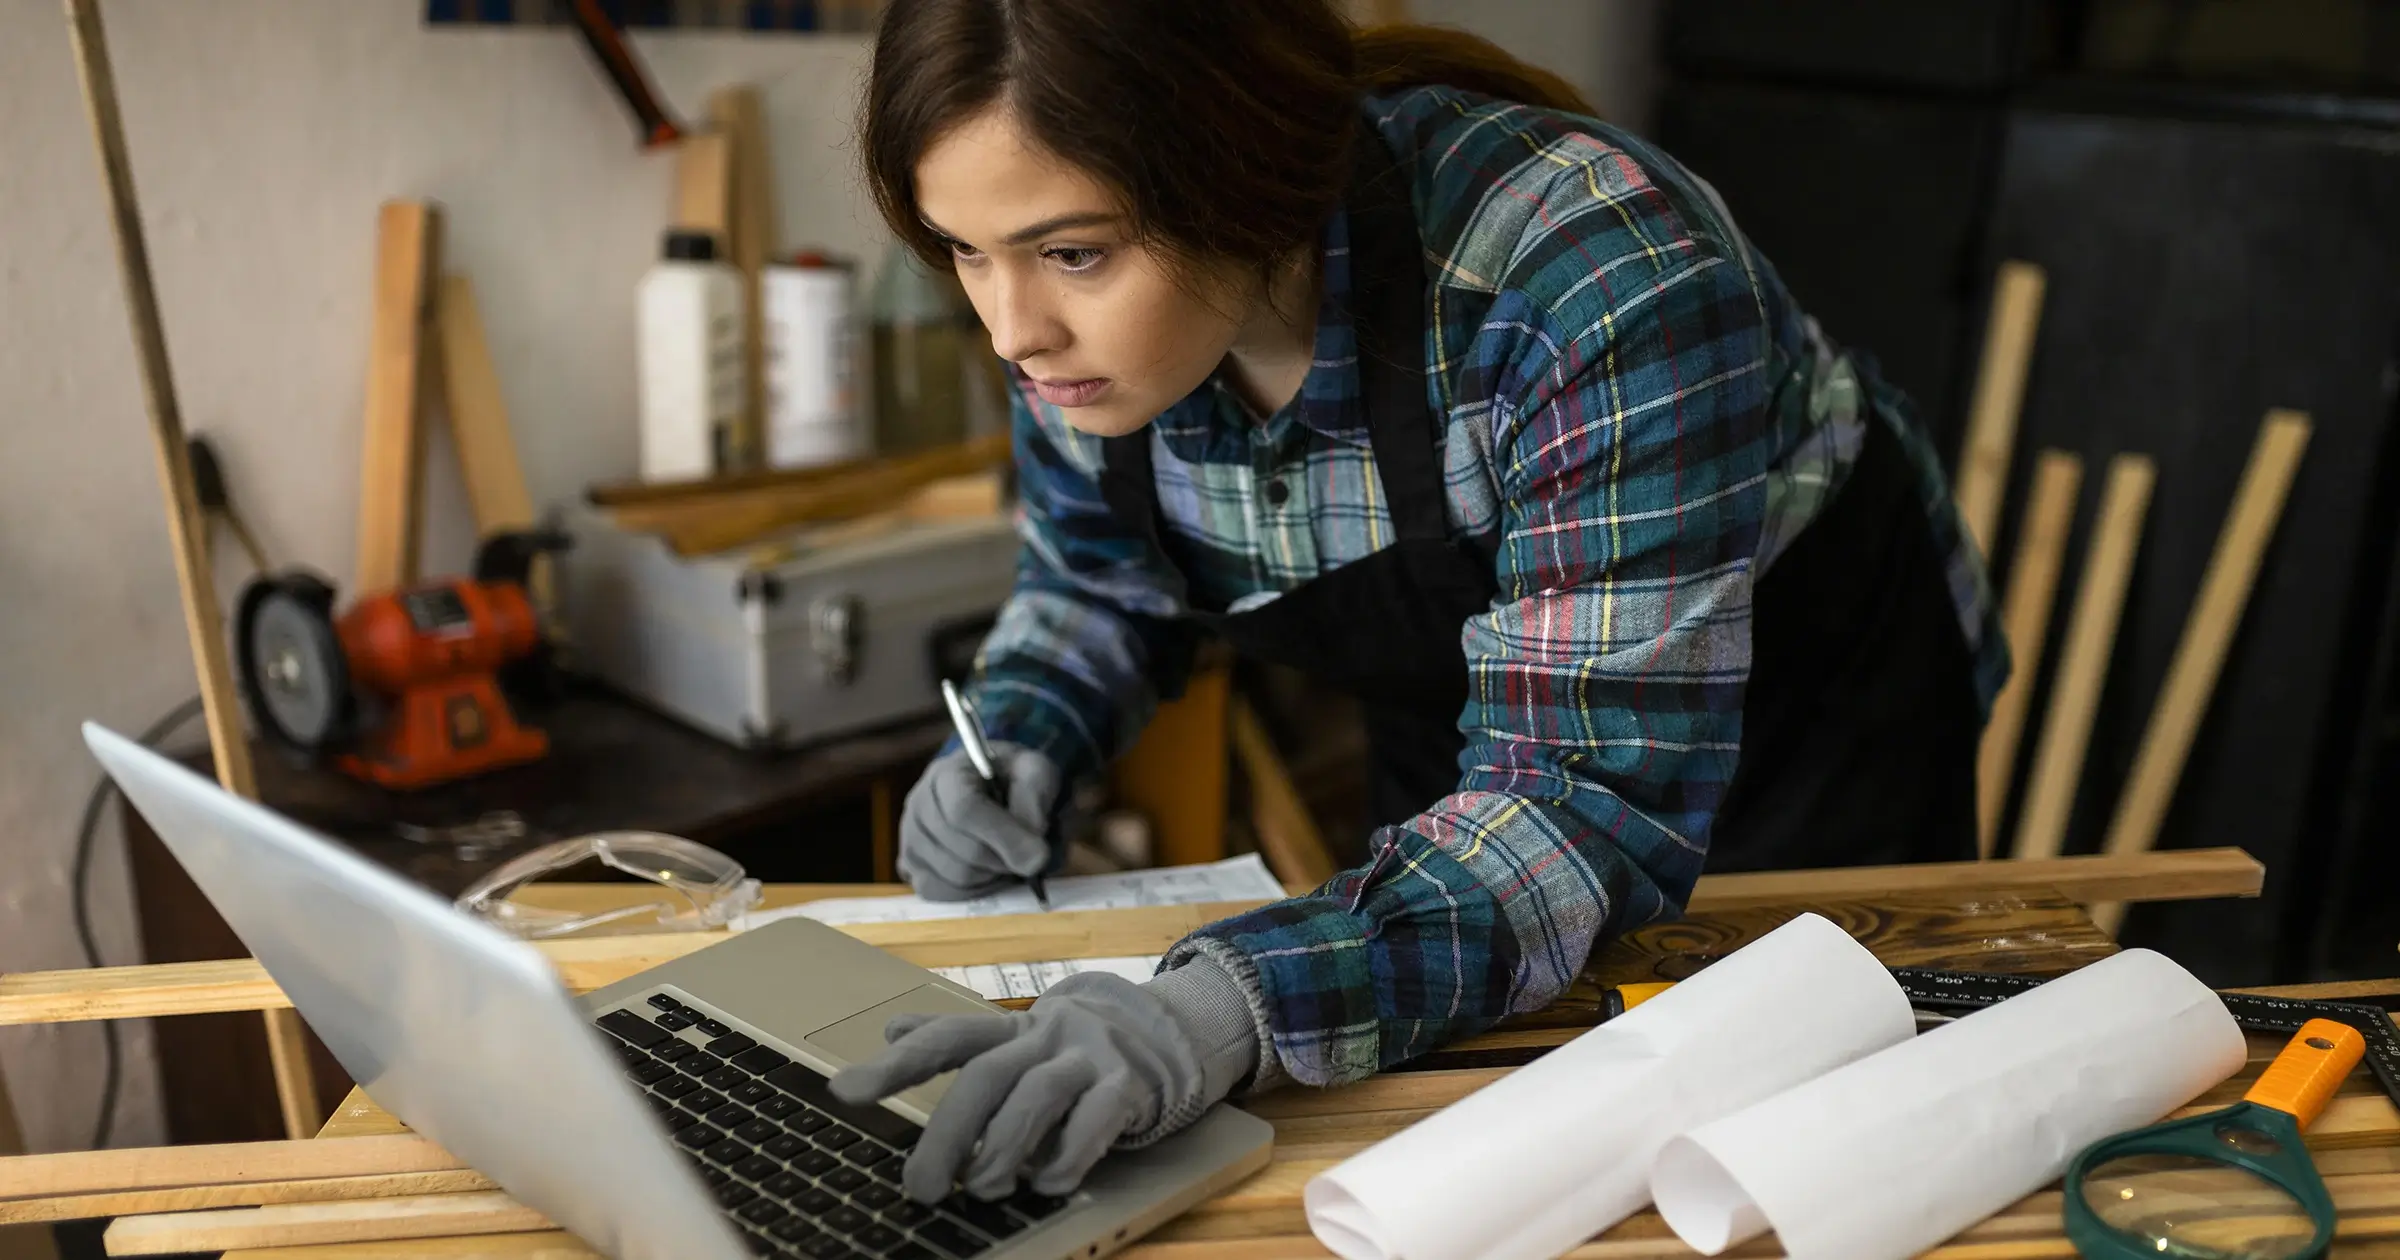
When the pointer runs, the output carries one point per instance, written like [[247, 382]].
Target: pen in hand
[[970, 736]]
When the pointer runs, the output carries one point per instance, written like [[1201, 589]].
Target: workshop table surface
[[2029, 932]]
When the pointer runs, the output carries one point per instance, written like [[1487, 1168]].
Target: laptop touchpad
[[860, 1037]]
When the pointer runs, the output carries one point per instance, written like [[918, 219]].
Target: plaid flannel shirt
[[1640, 417]]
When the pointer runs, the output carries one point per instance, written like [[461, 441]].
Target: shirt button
[[1276, 493]]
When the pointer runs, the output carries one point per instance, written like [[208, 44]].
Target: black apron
[[1860, 719]]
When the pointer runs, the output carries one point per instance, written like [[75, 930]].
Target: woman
[[1378, 356]]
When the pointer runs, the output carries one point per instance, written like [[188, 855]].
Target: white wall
[[264, 133]]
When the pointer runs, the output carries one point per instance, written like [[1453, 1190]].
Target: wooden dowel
[[2008, 340], [287, 1049], [2083, 668], [2032, 586], [2207, 636]]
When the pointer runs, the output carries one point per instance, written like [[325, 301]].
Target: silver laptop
[[679, 1113]]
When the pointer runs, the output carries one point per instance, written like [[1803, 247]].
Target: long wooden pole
[[294, 1086]]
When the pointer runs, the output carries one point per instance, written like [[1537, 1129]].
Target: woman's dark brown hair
[[1223, 125]]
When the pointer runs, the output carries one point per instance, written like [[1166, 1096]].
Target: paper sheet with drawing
[[1243, 878]]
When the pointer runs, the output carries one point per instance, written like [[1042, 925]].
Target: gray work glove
[[1098, 1062], [956, 838]]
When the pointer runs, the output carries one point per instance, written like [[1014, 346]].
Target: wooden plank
[[392, 454], [2207, 636], [2032, 585], [589, 963], [704, 185], [195, 576], [479, 427], [1175, 773], [750, 239], [699, 526], [2083, 668], [428, 1216], [242, 1194], [2008, 340], [155, 1168], [1287, 836]]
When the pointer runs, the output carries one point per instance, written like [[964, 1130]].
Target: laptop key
[[990, 1218], [729, 1044], [725, 1077], [815, 1202], [711, 1027], [701, 1103], [697, 1136], [676, 1087], [806, 1122], [845, 1218], [652, 1072], [1034, 1207], [763, 1212], [910, 1251], [672, 1021], [907, 1213], [783, 1146], [835, 1139], [698, 1063], [794, 1229], [758, 1059], [815, 1163], [757, 1131], [864, 1154], [949, 1236], [733, 1194], [875, 1195], [714, 1176], [844, 1179], [877, 1238], [726, 1152], [784, 1185], [888, 1168], [759, 1244], [674, 1050], [663, 1002], [729, 1116], [627, 1026], [757, 1166], [753, 1092], [774, 1106], [634, 1056]]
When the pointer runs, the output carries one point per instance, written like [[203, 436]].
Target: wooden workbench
[[2001, 926]]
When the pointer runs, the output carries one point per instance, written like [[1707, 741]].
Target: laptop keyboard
[[800, 1172]]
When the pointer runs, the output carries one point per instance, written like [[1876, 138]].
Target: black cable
[[101, 791]]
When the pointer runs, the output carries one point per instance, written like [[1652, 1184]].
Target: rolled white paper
[[1894, 1153], [1547, 1156]]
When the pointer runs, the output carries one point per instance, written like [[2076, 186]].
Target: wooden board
[[750, 240], [2032, 585], [392, 455], [2207, 637], [1287, 835], [699, 525], [588, 963], [2083, 668], [1999, 395], [1174, 775]]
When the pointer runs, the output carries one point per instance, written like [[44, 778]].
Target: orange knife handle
[[2304, 1076]]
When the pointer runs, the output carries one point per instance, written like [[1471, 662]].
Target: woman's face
[[1097, 322]]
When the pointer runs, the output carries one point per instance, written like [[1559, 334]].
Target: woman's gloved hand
[[1041, 1094], [956, 838]]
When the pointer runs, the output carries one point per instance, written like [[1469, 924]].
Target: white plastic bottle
[[690, 365], [812, 350]]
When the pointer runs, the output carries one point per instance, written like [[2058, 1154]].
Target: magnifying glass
[[2235, 1184]]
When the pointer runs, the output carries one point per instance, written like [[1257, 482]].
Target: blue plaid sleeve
[[1088, 641], [1629, 438]]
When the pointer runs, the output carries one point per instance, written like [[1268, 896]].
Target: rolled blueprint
[[1560, 1149], [1894, 1153]]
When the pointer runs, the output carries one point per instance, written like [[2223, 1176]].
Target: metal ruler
[[1962, 990]]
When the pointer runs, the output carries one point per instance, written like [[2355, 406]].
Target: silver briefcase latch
[[833, 633]]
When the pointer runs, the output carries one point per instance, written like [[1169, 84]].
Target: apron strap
[[1127, 484], [1387, 270]]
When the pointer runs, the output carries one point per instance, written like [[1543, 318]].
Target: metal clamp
[[833, 635]]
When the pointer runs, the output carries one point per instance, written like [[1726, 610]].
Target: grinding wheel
[[289, 656]]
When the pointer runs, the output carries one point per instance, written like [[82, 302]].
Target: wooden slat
[[702, 525], [429, 1216], [1999, 394], [750, 239], [164, 1167], [242, 1194], [703, 185], [589, 963], [487, 447], [2083, 668], [2207, 636], [392, 454], [1287, 836], [2032, 585]]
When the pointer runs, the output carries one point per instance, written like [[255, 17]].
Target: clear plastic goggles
[[701, 888]]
